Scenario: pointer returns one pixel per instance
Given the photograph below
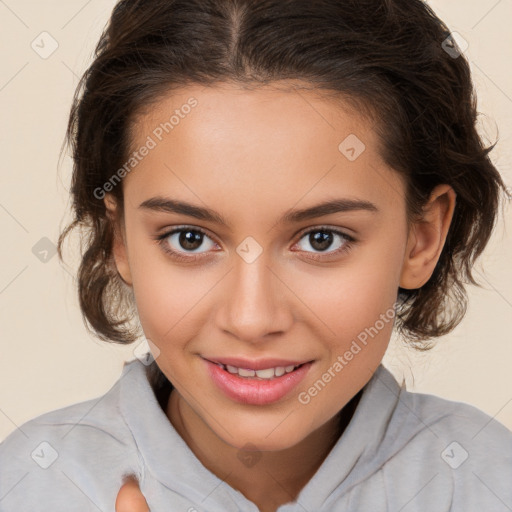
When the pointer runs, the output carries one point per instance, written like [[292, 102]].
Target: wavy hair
[[395, 60]]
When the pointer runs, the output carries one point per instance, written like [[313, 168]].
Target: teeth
[[267, 373], [279, 371]]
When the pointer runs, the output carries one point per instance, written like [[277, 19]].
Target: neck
[[268, 479]]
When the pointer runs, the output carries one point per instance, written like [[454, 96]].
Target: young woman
[[269, 188]]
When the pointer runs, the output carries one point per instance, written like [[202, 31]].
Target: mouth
[[263, 374], [256, 382]]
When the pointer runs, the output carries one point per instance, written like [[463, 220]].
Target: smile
[[256, 386]]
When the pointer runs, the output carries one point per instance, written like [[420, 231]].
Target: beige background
[[47, 358]]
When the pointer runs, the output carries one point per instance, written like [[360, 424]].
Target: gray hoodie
[[401, 452]]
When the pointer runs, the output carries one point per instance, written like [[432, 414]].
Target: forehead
[[276, 113], [264, 146]]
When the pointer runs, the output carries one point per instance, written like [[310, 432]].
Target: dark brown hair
[[392, 59]]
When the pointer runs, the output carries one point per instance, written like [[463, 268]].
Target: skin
[[252, 156]]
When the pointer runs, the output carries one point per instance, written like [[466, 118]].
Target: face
[[240, 278]]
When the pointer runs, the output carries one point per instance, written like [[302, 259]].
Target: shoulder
[[410, 415], [459, 419], [61, 456], [463, 453]]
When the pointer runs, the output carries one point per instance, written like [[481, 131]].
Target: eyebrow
[[167, 205]]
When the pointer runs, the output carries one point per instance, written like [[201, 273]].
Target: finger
[[130, 498]]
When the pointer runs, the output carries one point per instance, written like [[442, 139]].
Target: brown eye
[[182, 241], [323, 238], [320, 240], [190, 240]]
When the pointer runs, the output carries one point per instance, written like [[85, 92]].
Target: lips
[[248, 389]]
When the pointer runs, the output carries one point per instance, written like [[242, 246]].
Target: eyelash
[[160, 239]]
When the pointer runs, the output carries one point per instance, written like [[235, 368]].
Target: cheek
[[360, 314], [351, 299], [363, 316], [166, 296], [356, 303]]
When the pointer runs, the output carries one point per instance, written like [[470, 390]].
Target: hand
[[130, 499]]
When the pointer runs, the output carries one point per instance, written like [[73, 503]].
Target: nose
[[255, 303]]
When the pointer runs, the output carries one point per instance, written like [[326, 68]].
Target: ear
[[119, 244], [427, 237]]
